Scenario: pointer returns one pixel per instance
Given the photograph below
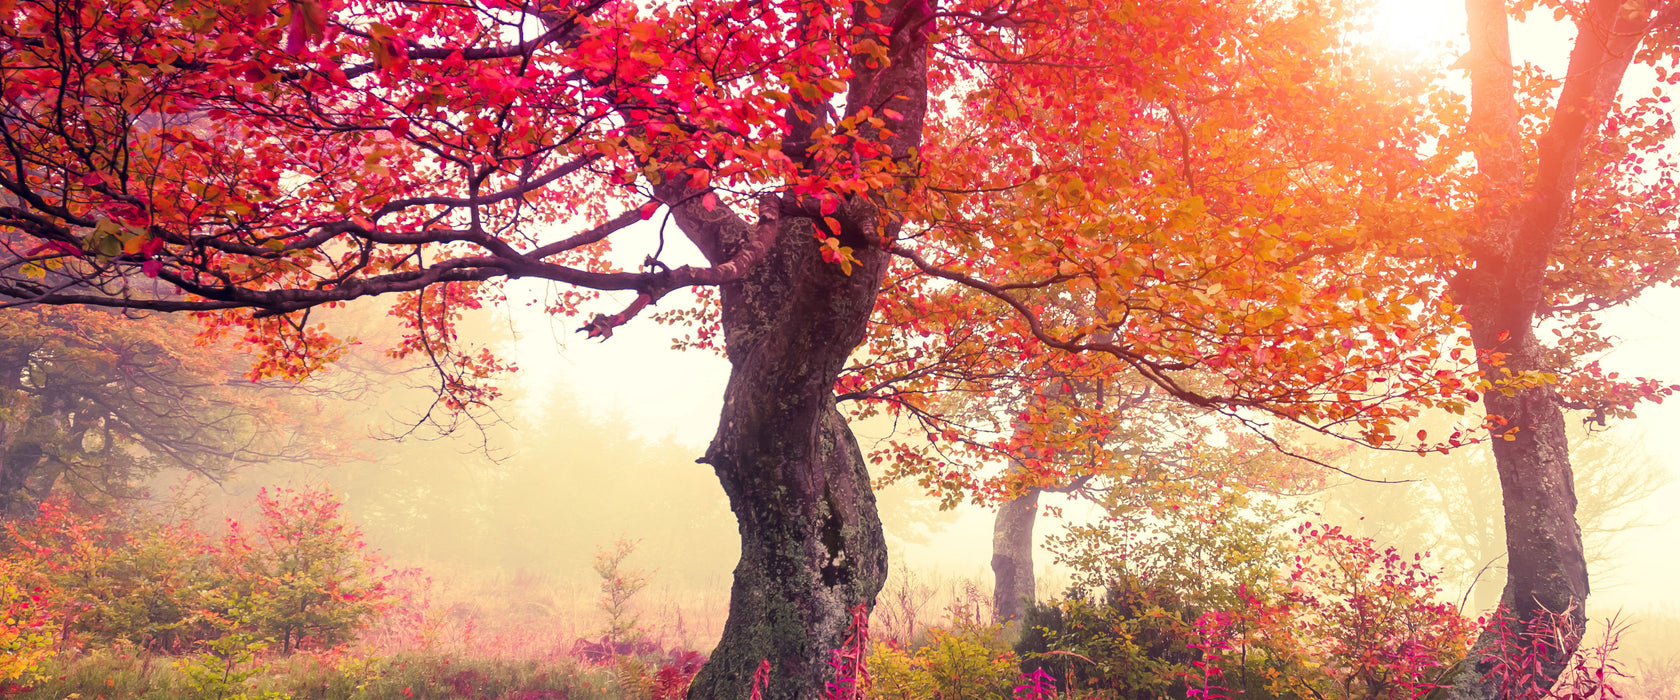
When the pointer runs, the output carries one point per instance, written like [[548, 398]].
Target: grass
[[113, 676], [513, 639]]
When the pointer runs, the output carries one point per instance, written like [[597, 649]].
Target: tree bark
[[812, 547], [1546, 571], [1014, 586]]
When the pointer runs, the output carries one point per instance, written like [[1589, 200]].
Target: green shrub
[[110, 580], [300, 577], [302, 570], [1132, 644], [965, 662]]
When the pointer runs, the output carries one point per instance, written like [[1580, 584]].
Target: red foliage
[[1521, 650], [850, 661], [1375, 612], [672, 679], [760, 680], [301, 578]]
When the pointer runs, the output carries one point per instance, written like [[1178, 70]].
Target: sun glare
[[1417, 25]]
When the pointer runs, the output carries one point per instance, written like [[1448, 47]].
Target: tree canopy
[[1236, 201]]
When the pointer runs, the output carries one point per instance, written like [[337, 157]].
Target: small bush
[[108, 580], [300, 578], [959, 663], [303, 571], [1133, 644], [27, 629]]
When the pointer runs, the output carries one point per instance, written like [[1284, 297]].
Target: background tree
[[1449, 506], [1159, 454], [97, 401], [1561, 221], [1158, 234]]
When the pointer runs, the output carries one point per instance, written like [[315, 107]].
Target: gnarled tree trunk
[[812, 548], [811, 541]]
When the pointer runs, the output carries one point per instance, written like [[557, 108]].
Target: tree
[[1092, 186], [94, 401], [267, 159], [1158, 455], [1450, 506], [1563, 222], [1164, 166]]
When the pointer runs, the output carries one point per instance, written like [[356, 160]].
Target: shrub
[[114, 580], [303, 571], [1372, 615], [963, 662], [300, 577], [27, 629], [1348, 620], [1132, 644], [618, 586]]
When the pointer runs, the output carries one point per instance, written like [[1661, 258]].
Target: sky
[[677, 395]]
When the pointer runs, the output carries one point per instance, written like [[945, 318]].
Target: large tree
[[1223, 191], [1572, 209]]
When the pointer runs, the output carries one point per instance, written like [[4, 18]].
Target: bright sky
[[1418, 25], [678, 395]]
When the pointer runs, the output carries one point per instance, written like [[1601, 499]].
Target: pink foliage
[[1215, 635], [1520, 652], [850, 661], [1038, 686]]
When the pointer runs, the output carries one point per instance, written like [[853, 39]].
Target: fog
[[596, 442]]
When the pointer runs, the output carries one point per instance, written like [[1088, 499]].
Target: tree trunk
[[1014, 586], [1546, 571], [812, 547]]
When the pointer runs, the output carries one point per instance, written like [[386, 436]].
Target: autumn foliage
[[1235, 203], [299, 577]]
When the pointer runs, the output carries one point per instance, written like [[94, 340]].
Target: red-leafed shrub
[[303, 570], [300, 576], [1372, 615]]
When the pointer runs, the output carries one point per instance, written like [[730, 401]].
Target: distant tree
[[1449, 506], [95, 401]]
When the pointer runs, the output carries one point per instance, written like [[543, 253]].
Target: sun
[[1414, 26]]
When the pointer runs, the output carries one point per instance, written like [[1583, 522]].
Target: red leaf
[[295, 32], [649, 209]]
